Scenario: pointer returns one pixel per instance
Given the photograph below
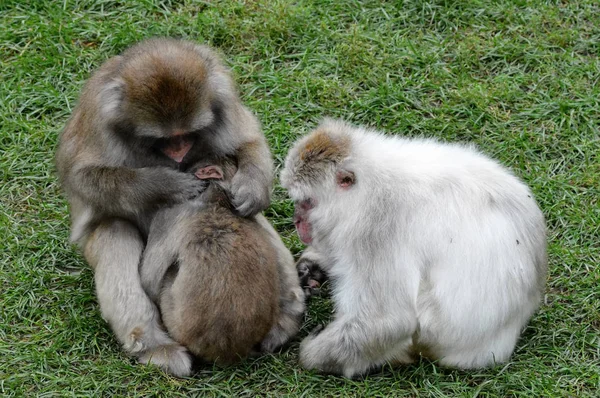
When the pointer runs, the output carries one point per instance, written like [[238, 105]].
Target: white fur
[[436, 246]]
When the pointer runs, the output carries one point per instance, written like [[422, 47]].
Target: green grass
[[521, 79]]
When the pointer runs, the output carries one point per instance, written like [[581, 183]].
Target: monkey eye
[[345, 179], [305, 204]]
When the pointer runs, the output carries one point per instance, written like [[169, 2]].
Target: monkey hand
[[183, 186], [311, 276], [251, 190], [338, 349], [315, 351]]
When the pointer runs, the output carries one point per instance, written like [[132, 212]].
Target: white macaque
[[432, 249]]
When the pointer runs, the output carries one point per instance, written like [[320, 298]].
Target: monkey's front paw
[[176, 186], [315, 354], [251, 194], [328, 355], [192, 187], [311, 276], [317, 329], [172, 358]]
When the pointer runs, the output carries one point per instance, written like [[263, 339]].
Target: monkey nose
[[177, 147]]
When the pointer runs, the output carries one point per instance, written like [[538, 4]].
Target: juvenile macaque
[[213, 272], [432, 249], [142, 120]]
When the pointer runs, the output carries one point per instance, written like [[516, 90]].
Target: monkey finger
[[245, 209]]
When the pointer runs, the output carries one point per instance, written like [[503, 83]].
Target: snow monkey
[[214, 273], [141, 121], [432, 249]]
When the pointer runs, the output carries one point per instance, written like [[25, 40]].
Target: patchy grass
[[518, 78]]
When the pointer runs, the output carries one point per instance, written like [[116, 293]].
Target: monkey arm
[[375, 315], [121, 191], [251, 185], [351, 346], [159, 255]]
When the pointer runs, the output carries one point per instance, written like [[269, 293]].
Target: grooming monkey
[[214, 273], [142, 120], [432, 249]]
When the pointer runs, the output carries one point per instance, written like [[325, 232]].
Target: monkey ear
[[111, 97], [209, 173], [345, 178]]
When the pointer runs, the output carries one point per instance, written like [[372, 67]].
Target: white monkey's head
[[316, 165], [317, 170]]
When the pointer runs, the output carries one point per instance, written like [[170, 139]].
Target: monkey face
[[173, 134], [164, 95], [177, 146], [317, 172]]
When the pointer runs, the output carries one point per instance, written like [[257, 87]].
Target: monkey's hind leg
[[114, 251], [291, 296]]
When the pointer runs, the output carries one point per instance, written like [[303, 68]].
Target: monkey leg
[[114, 250], [352, 346], [291, 296]]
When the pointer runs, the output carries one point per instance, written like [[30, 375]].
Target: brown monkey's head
[[318, 169], [168, 92]]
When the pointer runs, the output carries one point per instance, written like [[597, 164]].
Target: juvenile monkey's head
[[317, 169], [218, 169], [218, 173], [168, 92]]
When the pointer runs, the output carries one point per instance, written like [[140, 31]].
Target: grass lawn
[[521, 79]]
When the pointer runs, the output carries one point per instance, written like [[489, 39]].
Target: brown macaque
[[213, 273], [142, 120]]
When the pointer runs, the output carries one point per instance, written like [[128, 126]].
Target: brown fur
[[323, 147], [220, 291], [223, 300], [171, 86], [108, 157]]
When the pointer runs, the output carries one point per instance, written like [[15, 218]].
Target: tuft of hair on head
[[165, 78], [329, 142]]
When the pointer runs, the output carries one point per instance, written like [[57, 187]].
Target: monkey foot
[[172, 358]]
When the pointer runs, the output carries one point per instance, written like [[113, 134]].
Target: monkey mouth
[[300, 219], [303, 229], [177, 147]]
